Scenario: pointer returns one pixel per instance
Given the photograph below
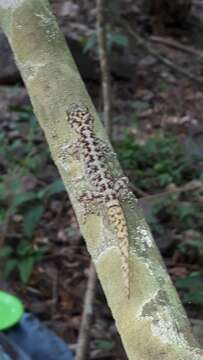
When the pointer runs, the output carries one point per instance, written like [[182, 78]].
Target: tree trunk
[[152, 322]]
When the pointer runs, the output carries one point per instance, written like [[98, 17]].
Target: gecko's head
[[79, 118]]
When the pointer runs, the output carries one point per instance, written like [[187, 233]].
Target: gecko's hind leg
[[106, 149], [122, 188], [122, 185]]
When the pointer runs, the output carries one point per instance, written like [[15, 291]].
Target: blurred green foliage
[[192, 288], [158, 162], [173, 212], [23, 155], [193, 242], [23, 258], [114, 39]]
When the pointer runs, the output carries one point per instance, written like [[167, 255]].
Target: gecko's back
[[102, 181]]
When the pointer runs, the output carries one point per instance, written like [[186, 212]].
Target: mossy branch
[[152, 323]]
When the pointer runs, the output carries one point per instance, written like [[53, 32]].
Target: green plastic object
[[11, 310]]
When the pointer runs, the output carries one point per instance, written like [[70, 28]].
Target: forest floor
[[157, 132]]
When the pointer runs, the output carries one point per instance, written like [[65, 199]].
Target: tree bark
[[152, 322]]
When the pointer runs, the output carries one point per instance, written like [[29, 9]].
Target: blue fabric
[[38, 342], [10, 350]]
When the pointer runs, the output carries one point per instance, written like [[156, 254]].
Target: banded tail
[[117, 219]]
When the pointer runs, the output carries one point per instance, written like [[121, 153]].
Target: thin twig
[[137, 190], [84, 335], [104, 65], [145, 44], [191, 186], [176, 45], [54, 294], [82, 352]]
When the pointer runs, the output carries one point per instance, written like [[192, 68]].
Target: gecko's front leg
[[71, 150], [122, 186], [90, 201], [105, 149]]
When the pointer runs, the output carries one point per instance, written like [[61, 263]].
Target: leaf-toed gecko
[[106, 190]]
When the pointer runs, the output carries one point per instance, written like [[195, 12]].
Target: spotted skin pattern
[[106, 190]]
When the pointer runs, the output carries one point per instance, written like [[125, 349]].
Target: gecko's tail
[[117, 219]]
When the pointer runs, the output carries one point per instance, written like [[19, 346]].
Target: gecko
[[105, 188]]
